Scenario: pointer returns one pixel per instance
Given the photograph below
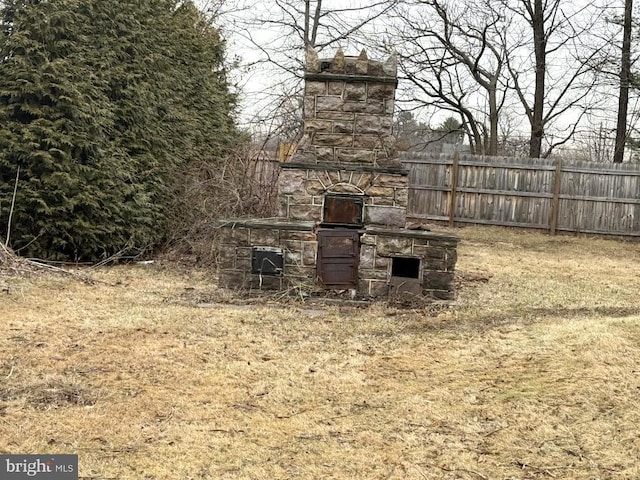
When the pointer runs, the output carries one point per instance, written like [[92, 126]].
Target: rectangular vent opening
[[405, 267]]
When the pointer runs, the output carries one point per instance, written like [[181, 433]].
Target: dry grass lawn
[[532, 374]]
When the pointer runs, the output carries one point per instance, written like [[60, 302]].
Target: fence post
[[454, 187], [555, 201]]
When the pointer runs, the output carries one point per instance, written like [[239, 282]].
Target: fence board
[[536, 193]]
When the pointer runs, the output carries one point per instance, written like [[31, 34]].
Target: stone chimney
[[347, 147], [348, 110]]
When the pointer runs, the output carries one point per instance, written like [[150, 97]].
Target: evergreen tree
[[101, 105]]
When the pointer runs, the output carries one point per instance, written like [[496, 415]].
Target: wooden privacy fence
[[554, 195]]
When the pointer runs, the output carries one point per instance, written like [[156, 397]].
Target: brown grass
[[534, 373]]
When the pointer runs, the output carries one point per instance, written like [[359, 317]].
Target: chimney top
[[350, 66]]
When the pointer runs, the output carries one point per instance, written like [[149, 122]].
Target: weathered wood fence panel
[[534, 193]]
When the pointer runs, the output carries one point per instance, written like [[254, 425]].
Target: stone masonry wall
[[348, 112], [237, 239], [302, 194], [436, 252]]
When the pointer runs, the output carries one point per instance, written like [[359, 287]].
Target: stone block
[[238, 236], [356, 107], [309, 106], [291, 182], [344, 187], [226, 257], [343, 127], [430, 252], [382, 262], [324, 154], [383, 159], [394, 246], [388, 201], [329, 102], [300, 271], [389, 105], [291, 245], [283, 207], [401, 197], [305, 212], [376, 124], [391, 180], [309, 253], [442, 242], [315, 88], [362, 64], [372, 274], [366, 239], [243, 252], [451, 257], [380, 91], [334, 176], [292, 258], [431, 264], [264, 237], [363, 287], [336, 88], [378, 289], [300, 199], [314, 187], [315, 125], [366, 141], [339, 116], [374, 106], [243, 264], [297, 235], [333, 139], [353, 155], [440, 294], [367, 256], [365, 180], [376, 192], [438, 281], [385, 215], [355, 92]]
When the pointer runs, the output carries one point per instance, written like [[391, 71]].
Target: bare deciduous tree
[[625, 80], [454, 56], [563, 54], [280, 30]]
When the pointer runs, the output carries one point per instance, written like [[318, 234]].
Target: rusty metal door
[[344, 210], [338, 258]]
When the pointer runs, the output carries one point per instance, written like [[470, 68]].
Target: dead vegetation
[[241, 185], [153, 373]]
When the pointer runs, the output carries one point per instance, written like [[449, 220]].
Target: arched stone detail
[[345, 188]]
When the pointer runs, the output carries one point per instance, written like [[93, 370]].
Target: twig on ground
[[13, 204]]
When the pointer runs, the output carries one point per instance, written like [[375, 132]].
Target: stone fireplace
[[342, 199]]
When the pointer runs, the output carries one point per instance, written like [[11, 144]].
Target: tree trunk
[[625, 74], [493, 122], [540, 50]]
